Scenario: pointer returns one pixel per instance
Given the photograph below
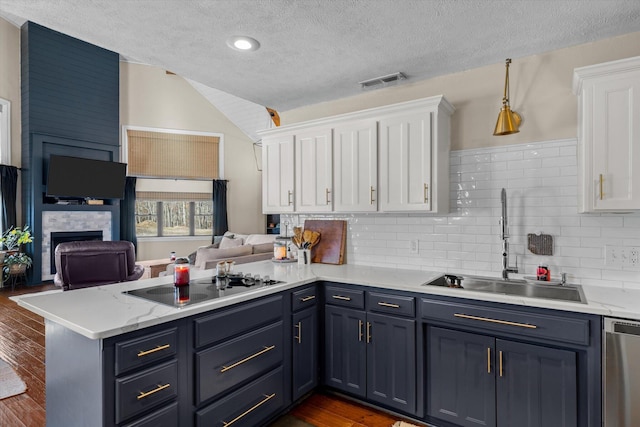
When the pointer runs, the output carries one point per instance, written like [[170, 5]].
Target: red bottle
[[543, 273]]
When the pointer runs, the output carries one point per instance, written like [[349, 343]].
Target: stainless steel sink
[[522, 288]]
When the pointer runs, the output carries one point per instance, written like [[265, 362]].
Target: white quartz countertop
[[105, 311]]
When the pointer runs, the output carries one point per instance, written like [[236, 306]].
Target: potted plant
[[14, 238], [15, 261]]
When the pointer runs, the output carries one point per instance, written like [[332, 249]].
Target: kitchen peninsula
[[117, 359]]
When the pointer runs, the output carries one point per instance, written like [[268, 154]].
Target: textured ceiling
[[318, 50]]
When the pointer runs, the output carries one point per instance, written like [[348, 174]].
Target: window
[[174, 188], [5, 139], [5, 132], [157, 218]]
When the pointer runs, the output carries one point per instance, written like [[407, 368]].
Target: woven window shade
[[170, 155], [166, 196]]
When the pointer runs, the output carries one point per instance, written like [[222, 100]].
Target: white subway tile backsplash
[[541, 183]]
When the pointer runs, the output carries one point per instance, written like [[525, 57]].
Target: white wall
[[541, 183], [151, 98]]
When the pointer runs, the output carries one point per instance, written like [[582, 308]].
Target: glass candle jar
[[279, 250], [181, 272]]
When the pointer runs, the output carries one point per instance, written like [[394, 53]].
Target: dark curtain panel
[[9, 189], [220, 224], [128, 211]]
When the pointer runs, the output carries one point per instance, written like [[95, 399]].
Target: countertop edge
[[78, 312]]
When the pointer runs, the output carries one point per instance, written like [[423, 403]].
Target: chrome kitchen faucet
[[504, 235]]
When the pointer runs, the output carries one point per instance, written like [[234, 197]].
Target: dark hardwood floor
[[22, 346]]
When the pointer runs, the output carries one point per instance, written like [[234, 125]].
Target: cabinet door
[[608, 131], [616, 136], [305, 351], [314, 171], [355, 167], [345, 350], [460, 377], [536, 386], [277, 174], [405, 162], [391, 361]]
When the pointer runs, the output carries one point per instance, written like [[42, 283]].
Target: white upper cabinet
[[608, 130], [393, 158], [314, 171], [414, 158], [355, 167], [277, 174]]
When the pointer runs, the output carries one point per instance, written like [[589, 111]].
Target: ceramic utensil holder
[[304, 256]]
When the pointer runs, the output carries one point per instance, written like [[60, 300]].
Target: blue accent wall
[[70, 106]]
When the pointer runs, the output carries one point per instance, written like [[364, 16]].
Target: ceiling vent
[[383, 81]]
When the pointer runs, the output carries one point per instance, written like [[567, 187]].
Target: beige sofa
[[241, 248]]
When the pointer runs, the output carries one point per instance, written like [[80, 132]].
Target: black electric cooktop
[[200, 290]]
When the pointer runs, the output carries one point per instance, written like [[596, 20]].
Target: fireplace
[[70, 236], [70, 221]]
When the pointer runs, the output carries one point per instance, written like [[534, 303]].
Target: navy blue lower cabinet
[[345, 350], [478, 380], [462, 383], [391, 361], [536, 386], [305, 352]]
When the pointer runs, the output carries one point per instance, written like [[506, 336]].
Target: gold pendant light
[[508, 121]]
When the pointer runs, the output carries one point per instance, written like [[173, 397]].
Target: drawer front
[[392, 304], [345, 297], [304, 298], [227, 365], [250, 406], [165, 417], [144, 390], [245, 317], [543, 326], [139, 352]]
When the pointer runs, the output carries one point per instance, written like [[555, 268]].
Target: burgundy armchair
[[95, 262]]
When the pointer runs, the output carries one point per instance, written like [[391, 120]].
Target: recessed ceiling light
[[243, 43]]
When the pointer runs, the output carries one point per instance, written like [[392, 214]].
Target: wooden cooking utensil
[[306, 235], [315, 238]]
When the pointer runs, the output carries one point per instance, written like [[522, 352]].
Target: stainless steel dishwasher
[[621, 397]]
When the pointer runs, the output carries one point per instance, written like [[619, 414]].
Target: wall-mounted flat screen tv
[[75, 177]]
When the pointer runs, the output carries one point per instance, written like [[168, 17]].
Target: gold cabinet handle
[[340, 297], [326, 195], [143, 394], [387, 304], [601, 185], [500, 353], [368, 332], [299, 336], [153, 350], [371, 193], [360, 334], [501, 322], [426, 193], [289, 194], [267, 397], [246, 359], [488, 360], [307, 298]]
